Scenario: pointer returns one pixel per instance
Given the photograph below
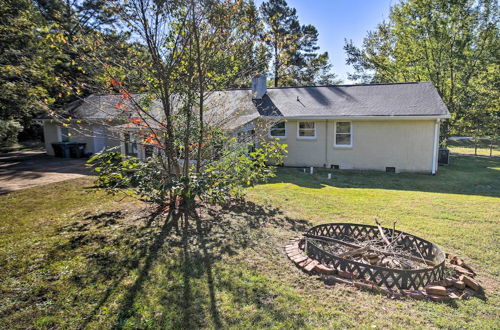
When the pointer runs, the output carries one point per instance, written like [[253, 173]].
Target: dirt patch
[[19, 170]]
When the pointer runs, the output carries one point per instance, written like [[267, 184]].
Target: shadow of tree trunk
[[207, 260], [134, 263], [186, 273], [128, 302]]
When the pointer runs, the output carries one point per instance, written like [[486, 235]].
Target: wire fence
[[477, 146]]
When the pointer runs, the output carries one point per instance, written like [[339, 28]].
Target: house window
[[148, 151], [247, 137], [278, 130], [64, 134], [130, 145], [307, 130], [343, 134]]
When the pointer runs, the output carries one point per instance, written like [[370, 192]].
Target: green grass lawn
[[74, 258], [467, 147]]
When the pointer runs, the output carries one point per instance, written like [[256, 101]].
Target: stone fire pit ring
[[390, 278]]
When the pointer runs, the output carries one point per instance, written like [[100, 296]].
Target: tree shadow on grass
[[123, 256], [151, 255], [185, 292], [179, 279], [125, 266], [218, 235], [100, 220]]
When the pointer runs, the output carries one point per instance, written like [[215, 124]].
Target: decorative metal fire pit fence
[[381, 276]]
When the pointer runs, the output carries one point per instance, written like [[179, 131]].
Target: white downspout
[[326, 143], [435, 148]]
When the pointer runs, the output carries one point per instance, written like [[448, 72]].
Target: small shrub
[[114, 170], [9, 129]]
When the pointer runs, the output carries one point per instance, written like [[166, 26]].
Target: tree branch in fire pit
[[382, 233], [353, 253], [378, 250]]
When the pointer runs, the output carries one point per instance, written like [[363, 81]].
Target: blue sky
[[337, 20]]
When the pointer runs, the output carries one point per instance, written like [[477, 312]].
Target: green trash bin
[[69, 149], [61, 150], [77, 150]]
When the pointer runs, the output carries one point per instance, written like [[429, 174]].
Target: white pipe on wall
[[326, 143], [435, 148]]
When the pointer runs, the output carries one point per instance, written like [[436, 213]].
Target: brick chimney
[[259, 86]]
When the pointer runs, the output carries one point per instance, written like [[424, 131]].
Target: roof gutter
[[358, 117], [90, 120]]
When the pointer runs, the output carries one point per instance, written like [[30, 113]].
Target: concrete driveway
[[19, 170]]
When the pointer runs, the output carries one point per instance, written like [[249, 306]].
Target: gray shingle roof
[[97, 106], [233, 108], [402, 99], [230, 109]]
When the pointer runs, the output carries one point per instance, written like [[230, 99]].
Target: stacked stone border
[[460, 286]]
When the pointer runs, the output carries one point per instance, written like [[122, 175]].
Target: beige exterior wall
[[50, 136], [407, 145], [83, 133], [113, 140]]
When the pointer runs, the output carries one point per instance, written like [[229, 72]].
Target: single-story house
[[384, 127]]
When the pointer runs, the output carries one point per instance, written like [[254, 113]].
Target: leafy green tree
[[25, 74], [294, 47], [253, 54], [483, 118], [192, 51], [81, 36], [9, 129], [282, 35], [48, 54], [451, 43]]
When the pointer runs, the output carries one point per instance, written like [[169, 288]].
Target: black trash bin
[[444, 156], [69, 149], [77, 150], [57, 150], [61, 150]]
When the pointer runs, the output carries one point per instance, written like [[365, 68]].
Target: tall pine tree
[[294, 47]]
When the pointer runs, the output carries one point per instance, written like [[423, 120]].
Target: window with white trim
[[64, 133], [343, 134], [306, 130], [278, 130]]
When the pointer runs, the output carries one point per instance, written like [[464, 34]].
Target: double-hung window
[[306, 130], [343, 134], [278, 130]]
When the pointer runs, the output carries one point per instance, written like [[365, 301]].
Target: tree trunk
[[276, 78], [201, 90]]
